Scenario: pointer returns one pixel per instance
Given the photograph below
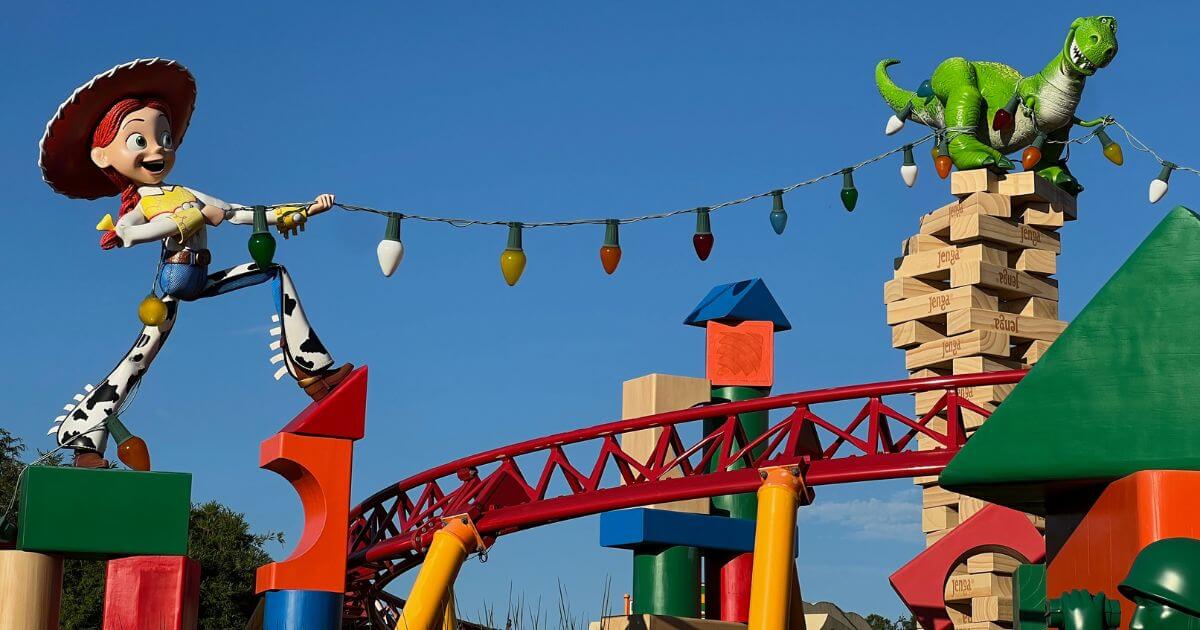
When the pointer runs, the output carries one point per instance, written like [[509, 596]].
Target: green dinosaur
[[967, 94]]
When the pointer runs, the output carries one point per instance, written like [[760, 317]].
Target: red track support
[[390, 531]]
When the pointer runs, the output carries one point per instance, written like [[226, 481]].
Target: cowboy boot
[[89, 459], [318, 384]]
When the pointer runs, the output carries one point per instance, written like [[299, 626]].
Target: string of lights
[[512, 261]]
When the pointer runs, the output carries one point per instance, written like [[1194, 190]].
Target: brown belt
[[190, 257]]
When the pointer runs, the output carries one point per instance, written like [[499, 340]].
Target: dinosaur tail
[[895, 96]]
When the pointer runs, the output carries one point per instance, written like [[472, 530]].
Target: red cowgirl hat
[[66, 146]]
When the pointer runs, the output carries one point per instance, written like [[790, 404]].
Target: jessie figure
[[117, 135]]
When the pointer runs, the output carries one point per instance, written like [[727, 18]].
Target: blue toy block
[[302, 610], [643, 527], [748, 300]]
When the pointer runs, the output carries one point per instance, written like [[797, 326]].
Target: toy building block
[[1031, 307], [1015, 326], [934, 306], [914, 333], [747, 300], [992, 562], [943, 351], [1134, 341], [743, 354], [302, 610], [971, 586], [1002, 232], [1042, 215], [898, 289], [1028, 187], [30, 590], [935, 518], [995, 527], [935, 264], [660, 393], [923, 243], [128, 512], [1036, 261], [662, 622], [1098, 542], [319, 469], [1007, 283], [964, 183], [152, 593], [341, 414], [629, 529], [938, 222]]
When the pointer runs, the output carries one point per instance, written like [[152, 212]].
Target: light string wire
[[936, 135]]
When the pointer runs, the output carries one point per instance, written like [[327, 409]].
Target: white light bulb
[[1158, 188], [390, 254], [894, 124], [909, 173]]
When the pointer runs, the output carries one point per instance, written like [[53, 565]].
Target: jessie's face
[[143, 151]]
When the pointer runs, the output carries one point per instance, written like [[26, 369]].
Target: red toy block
[[920, 583], [152, 593], [319, 469], [1098, 546], [341, 414], [743, 354]]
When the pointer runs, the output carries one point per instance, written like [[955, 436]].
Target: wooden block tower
[[973, 292]]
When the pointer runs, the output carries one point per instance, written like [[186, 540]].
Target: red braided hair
[[106, 132]]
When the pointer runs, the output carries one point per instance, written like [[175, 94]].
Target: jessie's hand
[[321, 204], [213, 215]]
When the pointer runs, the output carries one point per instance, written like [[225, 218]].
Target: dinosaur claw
[[1004, 163]]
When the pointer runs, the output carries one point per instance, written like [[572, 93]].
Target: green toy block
[[1029, 593], [101, 513], [1115, 394]]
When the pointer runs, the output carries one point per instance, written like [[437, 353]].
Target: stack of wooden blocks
[[973, 292]]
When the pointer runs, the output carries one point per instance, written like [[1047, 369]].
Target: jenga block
[[660, 393], [1037, 261], [992, 204], [1016, 326], [1038, 521], [937, 223], [1005, 282], [976, 365], [30, 590], [992, 562], [935, 264], [935, 305], [932, 537], [128, 512], [982, 625], [930, 373], [922, 243], [975, 227], [963, 587], [1031, 307], [925, 481], [152, 593], [937, 496], [1031, 352], [898, 289], [1041, 215], [908, 334], [992, 608], [926, 443], [1026, 186], [985, 394], [944, 351], [939, 517], [967, 507], [963, 183]]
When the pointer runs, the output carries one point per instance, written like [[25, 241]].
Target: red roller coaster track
[[390, 531]]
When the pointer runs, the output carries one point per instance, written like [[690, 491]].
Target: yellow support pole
[[427, 602], [774, 567], [450, 617], [796, 603]]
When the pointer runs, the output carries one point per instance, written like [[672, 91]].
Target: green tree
[[219, 539], [879, 622]]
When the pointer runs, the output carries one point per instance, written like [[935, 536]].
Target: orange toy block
[[743, 354], [1131, 513], [319, 469]]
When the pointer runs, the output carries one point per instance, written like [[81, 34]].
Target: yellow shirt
[[173, 198]]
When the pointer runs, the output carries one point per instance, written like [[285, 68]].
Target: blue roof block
[[747, 300], [642, 527]]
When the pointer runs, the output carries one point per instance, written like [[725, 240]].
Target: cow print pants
[[300, 352]]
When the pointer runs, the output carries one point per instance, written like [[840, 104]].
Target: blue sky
[[533, 111]]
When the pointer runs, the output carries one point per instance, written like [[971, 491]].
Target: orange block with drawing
[[742, 354]]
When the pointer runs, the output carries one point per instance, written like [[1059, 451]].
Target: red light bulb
[[702, 240], [943, 163]]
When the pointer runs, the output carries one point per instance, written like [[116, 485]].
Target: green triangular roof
[[1118, 392]]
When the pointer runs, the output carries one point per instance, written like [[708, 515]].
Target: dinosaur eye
[[135, 142]]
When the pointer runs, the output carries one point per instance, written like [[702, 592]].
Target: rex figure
[[966, 95]]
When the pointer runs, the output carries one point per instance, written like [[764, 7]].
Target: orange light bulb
[[134, 454], [943, 164], [1030, 157]]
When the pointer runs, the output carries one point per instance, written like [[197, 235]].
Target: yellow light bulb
[[512, 265], [152, 310]]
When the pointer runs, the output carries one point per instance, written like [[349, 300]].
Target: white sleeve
[[133, 228]]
